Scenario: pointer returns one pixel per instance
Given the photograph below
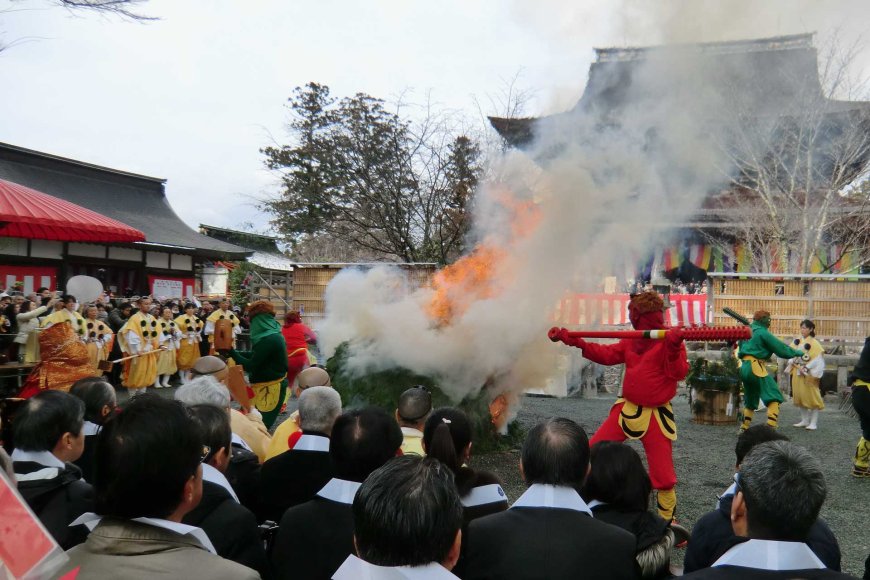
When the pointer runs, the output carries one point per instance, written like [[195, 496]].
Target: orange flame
[[472, 277]]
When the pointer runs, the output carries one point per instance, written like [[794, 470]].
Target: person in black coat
[[447, 438], [48, 437], [100, 403], [713, 533], [296, 475], [314, 538], [618, 490], [549, 532], [116, 321], [231, 527], [770, 525]]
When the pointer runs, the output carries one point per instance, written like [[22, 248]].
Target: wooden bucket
[[714, 407]]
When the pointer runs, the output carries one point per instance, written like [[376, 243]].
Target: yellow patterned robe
[[98, 340], [169, 339], [219, 315], [139, 335], [188, 350]]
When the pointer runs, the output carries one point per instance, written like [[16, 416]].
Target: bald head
[[556, 452], [414, 408]]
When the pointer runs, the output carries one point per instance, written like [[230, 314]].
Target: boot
[[157, 384], [805, 418], [814, 419], [773, 414], [862, 459], [666, 502], [747, 419], [166, 384]]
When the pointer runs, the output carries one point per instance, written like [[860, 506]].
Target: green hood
[[263, 325]]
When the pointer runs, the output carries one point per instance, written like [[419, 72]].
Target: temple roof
[[266, 253], [763, 74], [136, 200]]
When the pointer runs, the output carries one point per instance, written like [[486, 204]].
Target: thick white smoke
[[606, 184]]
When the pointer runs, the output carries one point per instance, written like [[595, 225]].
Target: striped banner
[[612, 310], [700, 255], [32, 277]]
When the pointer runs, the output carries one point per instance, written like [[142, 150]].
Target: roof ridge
[[785, 42]]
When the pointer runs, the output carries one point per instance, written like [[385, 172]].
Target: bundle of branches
[[705, 375], [382, 389]]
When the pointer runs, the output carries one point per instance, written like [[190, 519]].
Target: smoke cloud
[[601, 185]]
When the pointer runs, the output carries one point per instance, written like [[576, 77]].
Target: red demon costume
[[652, 370]]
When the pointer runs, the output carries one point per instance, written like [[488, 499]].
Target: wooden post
[[842, 378]]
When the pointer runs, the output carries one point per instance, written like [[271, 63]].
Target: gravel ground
[[704, 460]]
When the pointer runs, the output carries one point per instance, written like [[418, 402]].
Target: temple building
[[754, 100], [166, 261]]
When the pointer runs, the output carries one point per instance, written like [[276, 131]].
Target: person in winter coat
[[48, 435]]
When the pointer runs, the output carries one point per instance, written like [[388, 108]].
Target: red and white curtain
[[612, 310]]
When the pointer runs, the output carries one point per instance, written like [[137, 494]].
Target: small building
[[165, 264]]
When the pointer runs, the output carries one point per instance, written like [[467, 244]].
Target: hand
[[674, 338]]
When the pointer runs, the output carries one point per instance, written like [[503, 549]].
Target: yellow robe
[[98, 339], [140, 372], [169, 336], [805, 387], [64, 315], [278, 444], [188, 351]]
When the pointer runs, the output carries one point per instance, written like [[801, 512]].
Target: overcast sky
[[192, 97]]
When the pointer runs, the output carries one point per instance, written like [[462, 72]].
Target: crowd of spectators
[[170, 487], [677, 287]]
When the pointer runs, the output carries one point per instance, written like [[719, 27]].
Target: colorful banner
[[700, 255]]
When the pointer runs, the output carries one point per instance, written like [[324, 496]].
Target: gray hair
[[784, 490], [319, 407], [204, 390]]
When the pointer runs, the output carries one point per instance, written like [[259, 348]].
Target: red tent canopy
[[31, 214]]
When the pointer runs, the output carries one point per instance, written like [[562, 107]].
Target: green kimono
[[266, 365], [757, 383]]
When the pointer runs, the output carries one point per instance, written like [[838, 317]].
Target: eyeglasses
[[205, 453], [737, 481]]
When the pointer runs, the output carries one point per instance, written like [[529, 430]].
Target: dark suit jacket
[[231, 527], [292, 478], [86, 461], [314, 539], [552, 543], [712, 536], [243, 473], [740, 573], [57, 501]]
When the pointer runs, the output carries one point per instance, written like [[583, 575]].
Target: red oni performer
[[652, 370]]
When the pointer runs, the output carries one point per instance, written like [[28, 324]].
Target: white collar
[[90, 520], [771, 555], [552, 496], [411, 432], [46, 458], [339, 490], [356, 569], [484, 494], [91, 429], [595, 503], [312, 443], [212, 475], [241, 442]]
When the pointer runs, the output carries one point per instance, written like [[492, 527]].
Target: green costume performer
[[757, 383], [266, 363]]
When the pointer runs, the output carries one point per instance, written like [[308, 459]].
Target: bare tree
[[793, 190]]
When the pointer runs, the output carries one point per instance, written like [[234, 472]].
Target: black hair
[[407, 513], [414, 404], [125, 306], [445, 437], [810, 325], [67, 298], [556, 452], [784, 490], [362, 440], [189, 305], [752, 437], [45, 418], [617, 477], [95, 393], [214, 428], [25, 307], [41, 289], [144, 457]]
